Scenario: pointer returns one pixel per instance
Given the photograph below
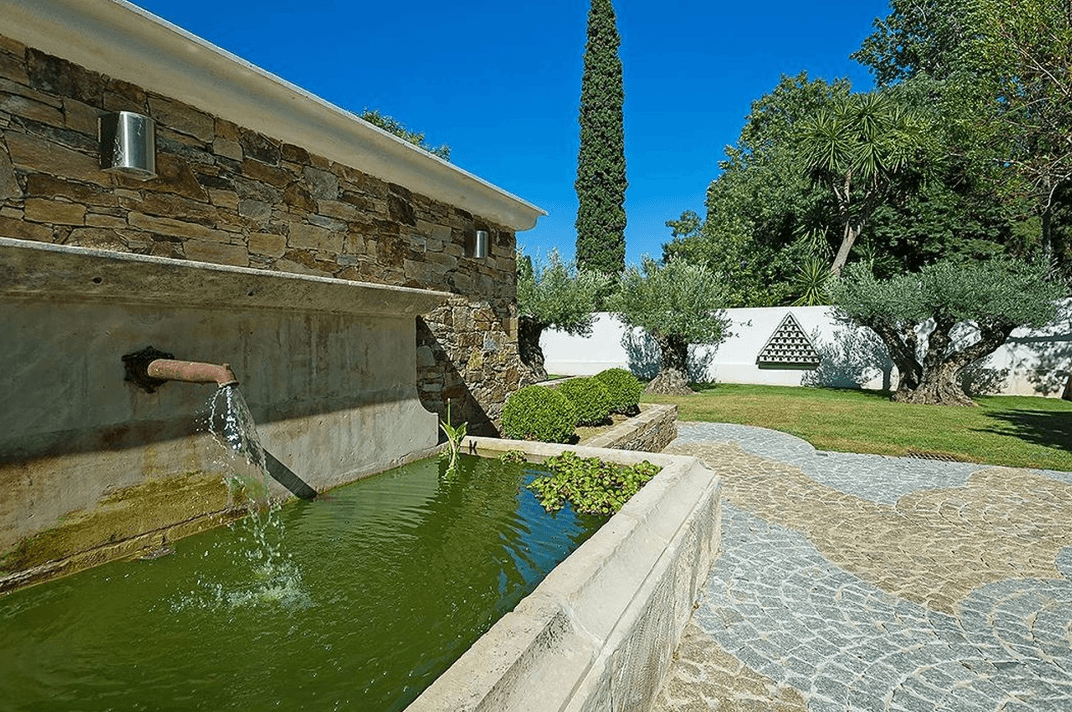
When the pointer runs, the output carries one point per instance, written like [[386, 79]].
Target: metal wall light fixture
[[479, 246], [128, 144]]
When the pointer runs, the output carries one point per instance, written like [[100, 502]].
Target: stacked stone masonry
[[650, 431], [228, 195]]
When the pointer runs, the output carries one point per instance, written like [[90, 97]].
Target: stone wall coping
[[124, 41], [41, 270], [604, 623]]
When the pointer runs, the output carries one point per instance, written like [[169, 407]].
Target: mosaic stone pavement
[[862, 583]]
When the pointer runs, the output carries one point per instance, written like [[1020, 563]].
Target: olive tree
[[916, 315], [553, 294], [677, 304], [396, 127]]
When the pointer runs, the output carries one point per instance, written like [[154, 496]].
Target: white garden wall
[[1031, 363]]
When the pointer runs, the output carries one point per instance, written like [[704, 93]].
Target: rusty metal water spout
[[150, 368], [191, 372]]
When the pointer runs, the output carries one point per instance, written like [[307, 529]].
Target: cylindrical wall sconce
[[128, 144], [479, 246]]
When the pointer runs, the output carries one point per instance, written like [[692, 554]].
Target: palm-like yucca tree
[[867, 150], [812, 280]]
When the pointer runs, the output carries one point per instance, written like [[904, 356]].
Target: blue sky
[[499, 82]]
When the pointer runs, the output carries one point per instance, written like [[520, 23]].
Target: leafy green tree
[[390, 125], [1021, 58], [553, 294], [677, 304], [601, 181], [996, 296], [762, 213], [1002, 74], [916, 40], [812, 283], [1023, 53]]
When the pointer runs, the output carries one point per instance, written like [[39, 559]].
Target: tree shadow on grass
[[1040, 427], [864, 393]]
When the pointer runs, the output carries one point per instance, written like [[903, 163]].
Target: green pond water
[[357, 600]]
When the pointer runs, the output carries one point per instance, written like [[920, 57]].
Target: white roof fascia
[[123, 41]]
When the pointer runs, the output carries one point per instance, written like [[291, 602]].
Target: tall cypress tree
[[601, 161]]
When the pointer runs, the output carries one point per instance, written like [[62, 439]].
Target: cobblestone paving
[[851, 582]]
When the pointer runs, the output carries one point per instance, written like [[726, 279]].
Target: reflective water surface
[[357, 600]]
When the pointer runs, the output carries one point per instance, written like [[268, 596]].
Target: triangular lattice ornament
[[788, 347]]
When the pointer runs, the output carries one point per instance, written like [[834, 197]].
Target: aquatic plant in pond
[[455, 435], [393, 578], [590, 485]]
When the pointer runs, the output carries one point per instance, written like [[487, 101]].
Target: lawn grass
[[1018, 431]]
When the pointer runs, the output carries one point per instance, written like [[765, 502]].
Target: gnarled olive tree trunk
[[673, 378], [528, 346], [937, 380]]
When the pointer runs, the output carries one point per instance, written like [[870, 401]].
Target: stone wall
[[228, 195], [651, 431]]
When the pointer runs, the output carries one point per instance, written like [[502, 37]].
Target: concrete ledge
[[45, 271], [599, 632], [138, 545], [651, 431]]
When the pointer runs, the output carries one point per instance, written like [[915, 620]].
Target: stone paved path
[[862, 583]]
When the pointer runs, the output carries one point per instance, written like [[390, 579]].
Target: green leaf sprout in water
[[516, 457], [455, 435], [590, 485]]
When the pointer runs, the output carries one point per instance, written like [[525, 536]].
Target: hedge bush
[[624, 389], [539, 413], [589, 397]]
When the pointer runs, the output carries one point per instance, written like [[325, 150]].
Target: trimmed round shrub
[[624, 389], [589, 397], [539, 413]]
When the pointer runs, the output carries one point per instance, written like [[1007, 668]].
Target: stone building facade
[[231, 195]]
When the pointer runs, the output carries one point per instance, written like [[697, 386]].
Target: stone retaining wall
[[229, 195], [651, 431], [599, 632]]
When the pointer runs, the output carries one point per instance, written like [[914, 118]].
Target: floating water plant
[[590, 485], [513, 456]]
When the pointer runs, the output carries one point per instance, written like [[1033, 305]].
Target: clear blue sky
[[499, 81]]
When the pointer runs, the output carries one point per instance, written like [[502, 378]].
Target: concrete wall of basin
[[93, 467], [598, 634]]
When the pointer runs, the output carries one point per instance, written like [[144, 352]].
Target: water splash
[[232, 426], [265, 574], [261, 573]]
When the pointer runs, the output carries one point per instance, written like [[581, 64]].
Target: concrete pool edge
[[599, 632]]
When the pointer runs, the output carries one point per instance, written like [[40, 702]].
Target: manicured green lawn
[[1004, 430]]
